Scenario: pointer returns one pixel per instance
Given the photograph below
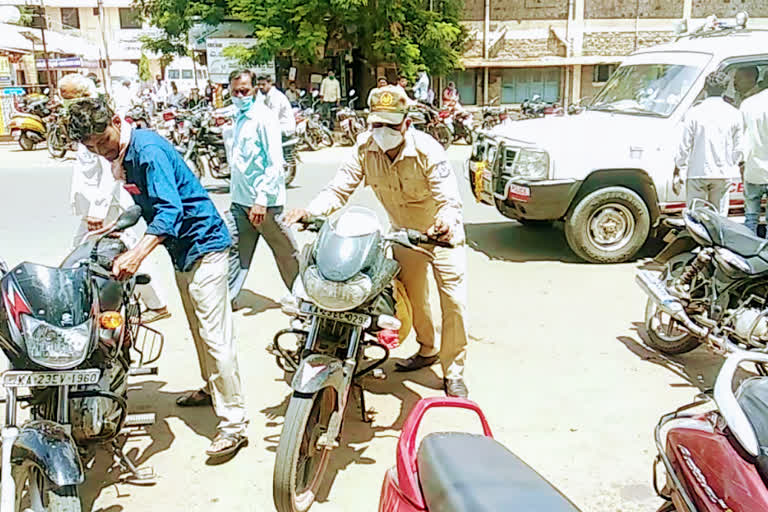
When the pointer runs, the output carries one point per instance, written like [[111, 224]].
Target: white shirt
[[330, 90], [123, 98], [94, 189], [754, 111], [280, 105], [711, 143]]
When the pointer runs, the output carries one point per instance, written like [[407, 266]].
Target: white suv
[[607, 172]]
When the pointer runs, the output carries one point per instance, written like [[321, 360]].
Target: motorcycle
[[312, 131], [202, 144], [58, 139], [712, 289], [427, 119], [138, 115], [67, 332], [460, 123], [462, 472], [350, 123], [290, 157], [536, 107], [344, 302], [28, 122], [716, 460]]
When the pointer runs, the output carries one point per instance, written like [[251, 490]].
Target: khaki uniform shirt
[[417, 188]]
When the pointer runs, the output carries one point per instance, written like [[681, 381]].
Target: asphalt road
[[555, 360]]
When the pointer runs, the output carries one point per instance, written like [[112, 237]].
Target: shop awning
[[541, 62]]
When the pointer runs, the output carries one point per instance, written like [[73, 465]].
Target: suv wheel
[[608, 225]]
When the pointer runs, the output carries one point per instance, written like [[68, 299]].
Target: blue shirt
[[173, 202], [255, 152]]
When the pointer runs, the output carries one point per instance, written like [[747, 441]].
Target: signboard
[[60, 63], [219, 66]]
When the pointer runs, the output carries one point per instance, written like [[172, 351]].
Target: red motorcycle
[[459, 122], [718, 461], [461, 472]]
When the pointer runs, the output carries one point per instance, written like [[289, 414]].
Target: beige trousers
[[205, 296], [449, 268]]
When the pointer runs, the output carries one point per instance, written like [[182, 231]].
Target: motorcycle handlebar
[[418, 238]]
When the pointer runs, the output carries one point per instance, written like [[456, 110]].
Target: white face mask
[[387, 138]]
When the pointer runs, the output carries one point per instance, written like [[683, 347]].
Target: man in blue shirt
[[258, 183], [181, 216]]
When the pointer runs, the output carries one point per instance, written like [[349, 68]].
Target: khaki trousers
[[449, 268], [205, 296]]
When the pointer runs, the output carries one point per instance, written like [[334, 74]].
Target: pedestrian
[[451, 96], [292, 93], [410, 175], [182, 217], [277, 103], [745, 84], [330, 95], [98, 199], [754, 111], [710, 148], [175, 99], [123, 98], [380, 82], [421, 88], [258, 183]]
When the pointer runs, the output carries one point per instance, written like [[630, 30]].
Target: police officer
[[410, 174]]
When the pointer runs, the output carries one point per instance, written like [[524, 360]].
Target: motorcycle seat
[[734, 236], [462, 472]]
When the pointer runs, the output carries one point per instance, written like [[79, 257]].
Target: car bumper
[[536, 200]]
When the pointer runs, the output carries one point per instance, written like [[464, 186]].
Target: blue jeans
[[753, 196]]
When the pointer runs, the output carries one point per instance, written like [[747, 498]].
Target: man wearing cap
[[410, 174]]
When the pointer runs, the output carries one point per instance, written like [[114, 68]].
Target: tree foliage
[[405, 32], [145, 74]]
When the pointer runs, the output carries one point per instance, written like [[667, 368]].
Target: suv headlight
[[336, 296], [533, 165], [56, 347]]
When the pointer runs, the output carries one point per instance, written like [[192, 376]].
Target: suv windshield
[[647, 89]]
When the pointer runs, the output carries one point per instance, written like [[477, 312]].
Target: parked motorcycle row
[[37, 119]]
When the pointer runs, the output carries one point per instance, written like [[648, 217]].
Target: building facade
[[565, 50]]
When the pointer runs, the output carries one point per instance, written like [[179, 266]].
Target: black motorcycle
[[290, 156], [202, 144], [67, 333], [345, 302], [349, 122], [428, 120], [712, 289], [138, 115]]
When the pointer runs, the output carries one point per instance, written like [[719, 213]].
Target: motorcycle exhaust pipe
[[669, 304]]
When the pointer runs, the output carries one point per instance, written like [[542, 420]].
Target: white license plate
[[18, 379], [519, 192], [348, 317]]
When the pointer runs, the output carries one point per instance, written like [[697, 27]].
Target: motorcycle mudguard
[[49, 447], [317, 372], [683, 242]]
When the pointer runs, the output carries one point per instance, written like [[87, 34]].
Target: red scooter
[[461, 472], [718, 461]]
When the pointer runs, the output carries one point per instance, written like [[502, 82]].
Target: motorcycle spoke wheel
[[32, 494], [301, 462]]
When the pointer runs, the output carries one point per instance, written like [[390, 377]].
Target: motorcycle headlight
[[56, 347], [336, 296], [533, 165], [695, 227]]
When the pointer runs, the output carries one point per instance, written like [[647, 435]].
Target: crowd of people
[[114, 158]]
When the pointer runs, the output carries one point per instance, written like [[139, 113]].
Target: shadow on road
[[355, 431], [511, 241]]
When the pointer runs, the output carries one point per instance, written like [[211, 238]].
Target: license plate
[[347, 317], [18, 379], [519, 193]]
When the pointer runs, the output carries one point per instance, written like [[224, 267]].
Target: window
[[747, 79], [518, 85], [173, 74], [130, 18], [186, 74], [466, 84], [70, 17], [603, 72], [38, 17]]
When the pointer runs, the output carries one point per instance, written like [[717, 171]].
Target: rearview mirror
[[302, 93], [351, 93], [128, 218], [315, 93]]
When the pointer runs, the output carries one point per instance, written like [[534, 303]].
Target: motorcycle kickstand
[[367, 418], [137, 476]]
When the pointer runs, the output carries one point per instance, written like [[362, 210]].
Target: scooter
[[27, 129], [462, 472], [716, 461]]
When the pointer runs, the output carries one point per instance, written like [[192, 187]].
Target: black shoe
[[456, 388], [416, 362]]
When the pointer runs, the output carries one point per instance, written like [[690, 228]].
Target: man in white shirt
[[123, 98], [330, 94], [754, 111], [277, 103], [710, 148]]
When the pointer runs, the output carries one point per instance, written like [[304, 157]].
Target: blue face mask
[[242, 104]]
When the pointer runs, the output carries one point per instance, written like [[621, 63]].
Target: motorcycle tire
[[307, 416], [668, 342], [61, 499], [290, 173], [326, 137], [469, 137], [26, 143], [56, 147], [312, 142]]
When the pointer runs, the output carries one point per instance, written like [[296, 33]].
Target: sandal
[[195, 398], [224, 445]]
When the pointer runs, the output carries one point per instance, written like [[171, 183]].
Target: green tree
[[145, 74], [405, 32]]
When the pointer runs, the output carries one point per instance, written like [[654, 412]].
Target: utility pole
[[104, 70], [43, 24]]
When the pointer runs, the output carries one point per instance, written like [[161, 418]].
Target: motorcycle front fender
[[317, 372], [49, 447]]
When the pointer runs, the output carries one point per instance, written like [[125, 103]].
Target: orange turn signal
[[111, 320]]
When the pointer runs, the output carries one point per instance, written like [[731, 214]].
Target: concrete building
[[565, 50]]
